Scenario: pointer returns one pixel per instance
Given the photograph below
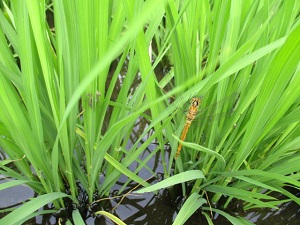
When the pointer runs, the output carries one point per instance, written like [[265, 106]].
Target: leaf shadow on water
[[158, 209]]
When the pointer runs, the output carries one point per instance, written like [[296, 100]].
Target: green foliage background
[[55, 97]]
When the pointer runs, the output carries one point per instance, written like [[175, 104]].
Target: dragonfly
[[194, 111], [195, 103]]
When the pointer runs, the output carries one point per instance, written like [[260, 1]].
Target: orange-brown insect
[[195, 103]]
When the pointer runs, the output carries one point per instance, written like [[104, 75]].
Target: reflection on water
[[146, 209], [288, 214]]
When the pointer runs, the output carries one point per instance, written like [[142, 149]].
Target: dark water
[[155, 209]]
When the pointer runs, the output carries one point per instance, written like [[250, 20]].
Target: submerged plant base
[[86, 209], [161, 210]]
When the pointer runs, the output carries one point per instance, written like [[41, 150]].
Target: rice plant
[[65, 123], [248, 54], [56, 96]]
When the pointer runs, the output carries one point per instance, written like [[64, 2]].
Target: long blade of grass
[[78, 220], [111, 217], [12, 183], [194, 202], [278, 75], [232, 219], [176, 179], [28, 208]]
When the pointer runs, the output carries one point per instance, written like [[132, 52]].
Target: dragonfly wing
[[218, 109], [206, 109]]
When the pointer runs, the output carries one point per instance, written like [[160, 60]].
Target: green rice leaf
[[194, 202], [111, 217], [30, 207], [12, 183], [176, 179], [78, 220]]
